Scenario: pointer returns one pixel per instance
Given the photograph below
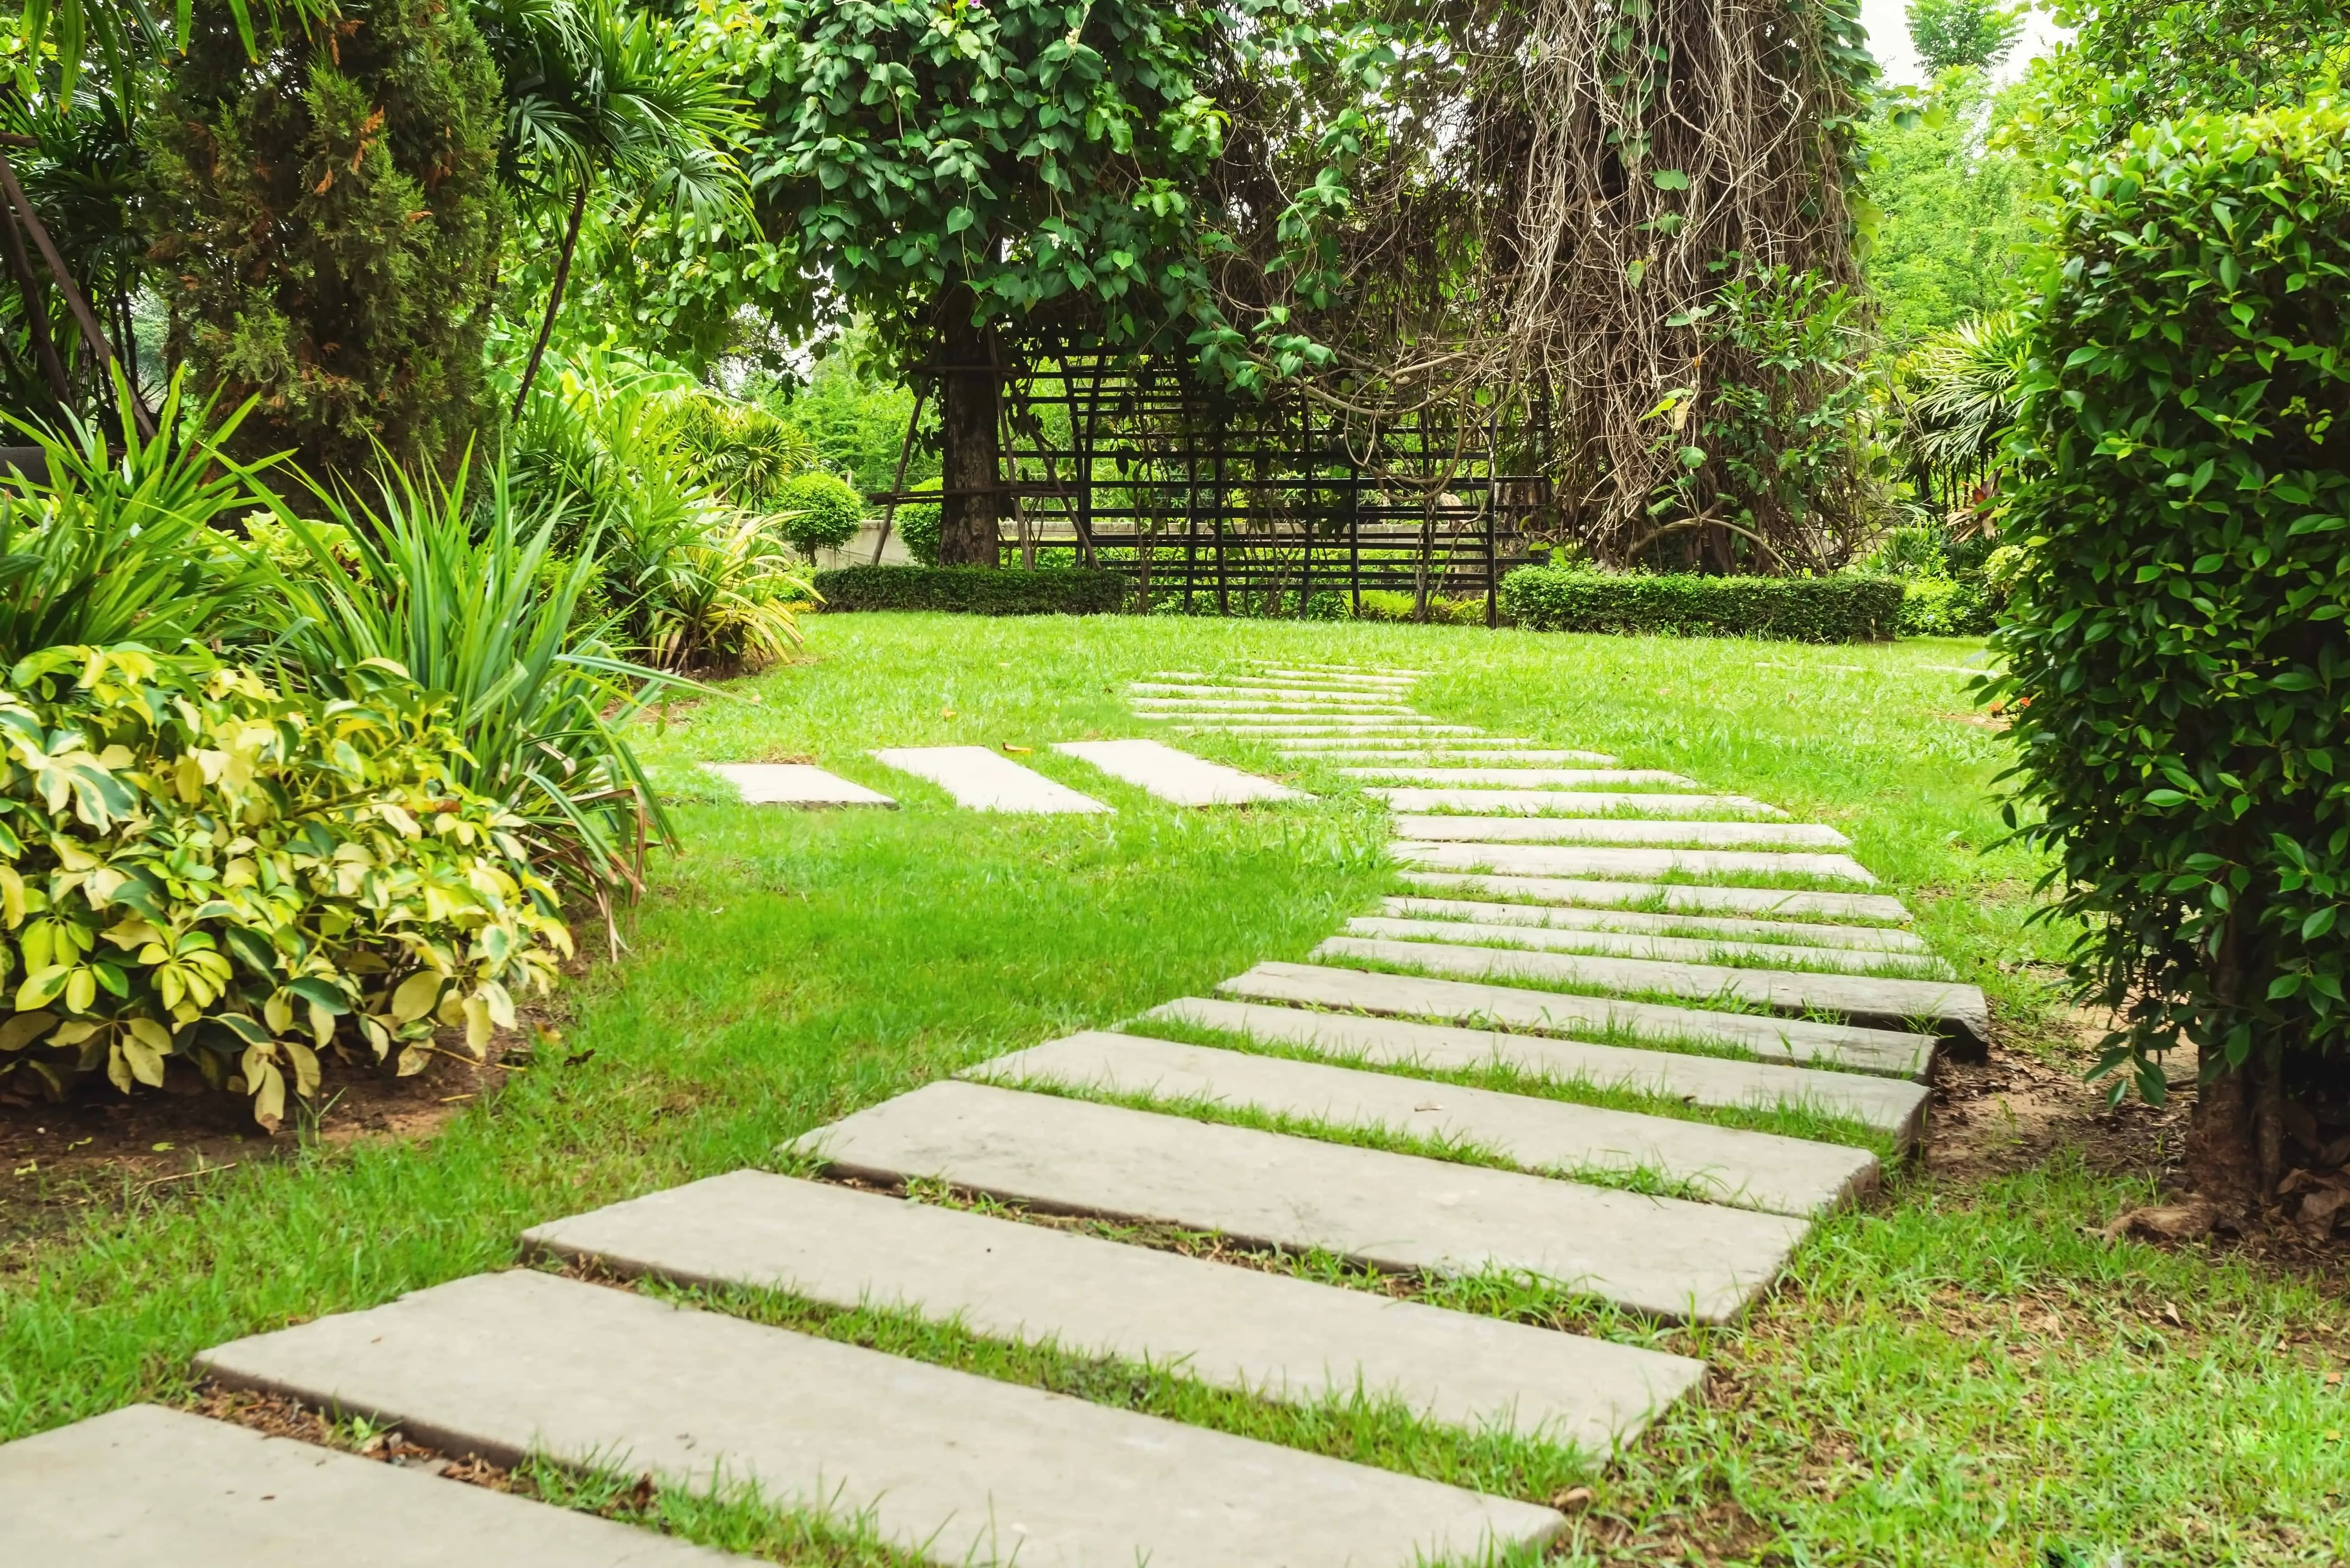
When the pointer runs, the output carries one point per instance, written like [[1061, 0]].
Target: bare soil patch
[[97, 1147]]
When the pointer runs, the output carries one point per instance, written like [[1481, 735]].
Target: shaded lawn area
[[1956, 1374]]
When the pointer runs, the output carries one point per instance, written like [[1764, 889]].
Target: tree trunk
[[969, 393], [2235, 1134], [36, 311], [554, 296]]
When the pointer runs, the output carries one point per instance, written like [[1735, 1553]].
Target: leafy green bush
[[1850, 608], [2179, 668], [821, 512], [1944, 607], [975, 590], [919, 524], [196, 865]]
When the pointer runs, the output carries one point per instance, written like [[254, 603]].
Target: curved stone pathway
[[1571, 928]]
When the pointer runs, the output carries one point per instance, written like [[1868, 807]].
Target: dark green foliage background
[[336, 264], [2177, 651], [974, 590], [1852, 608]]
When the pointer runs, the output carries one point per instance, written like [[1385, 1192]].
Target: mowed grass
[[1951, 1376]]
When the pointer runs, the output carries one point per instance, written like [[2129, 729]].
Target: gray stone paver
[[1724, 1165], [144, 1487], [1895, 1106], [1152, 688], [1177, 776], [1242, 1328], [1567, 917], [955, 1467], [1852, 1047], [1535, 891], [1558, 778], [1268, 707], [1604, 860], [1614, 830], [1695, 1261], [980, 780], [1315, 723], [1869, 997], [1566, 803], [793, 784], [1645, 945]]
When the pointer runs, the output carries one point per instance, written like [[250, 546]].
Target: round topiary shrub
[[2179, 668], [820, 512], [919, 524]]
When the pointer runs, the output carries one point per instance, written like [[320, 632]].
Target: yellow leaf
[[131, 933], [19, 1031], [118, 1067], [156, 1037], [414, 1059], [146, 1063], [269, 1097], [81, 989], [187, 780], [278, 1013], [477, 1026], [306, 1069], [40, 987], [322, 1024], [416, 996], [12, 897]]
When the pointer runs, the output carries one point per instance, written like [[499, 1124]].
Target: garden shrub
[[1389, 605], [1849, 608], [975, 590], [2177, 666], [919, 523], [821, 512], [196, 865], [1944, 607]]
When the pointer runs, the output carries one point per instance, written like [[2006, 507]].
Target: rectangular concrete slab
[[1687, 1261], [793, 784], [1277, 693], [1528, 778], [1614, 830], [954, 1468], [143, 1487], [1544, 859], [1895, 1106], [1869, 998], [1352, 672], [983, 781], [1565, 803], [1266, 706], [1844, 1045], [1513, 744], [1644, 945], [1403, 752], [1177, 776], [1572, 892], [1273, 1335], [1721, 1165], [1320, 724], [1560, 917]]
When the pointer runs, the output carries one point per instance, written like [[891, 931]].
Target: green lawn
[[1957, 1374]]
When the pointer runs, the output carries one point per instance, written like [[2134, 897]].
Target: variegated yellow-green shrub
[[194, 864]]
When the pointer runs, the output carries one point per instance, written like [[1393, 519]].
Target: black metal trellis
[[1255, 507]]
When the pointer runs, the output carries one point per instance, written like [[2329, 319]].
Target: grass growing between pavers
[[1953, 1375], [1786, 1120]]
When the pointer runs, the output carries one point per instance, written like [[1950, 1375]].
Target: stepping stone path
[[793, 784], [984, 780], [1431, 1125]]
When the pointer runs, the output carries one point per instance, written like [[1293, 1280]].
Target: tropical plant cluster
[[2177, 654]]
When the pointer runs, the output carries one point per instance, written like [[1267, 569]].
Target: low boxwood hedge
[[1850, 608], [975, 590]]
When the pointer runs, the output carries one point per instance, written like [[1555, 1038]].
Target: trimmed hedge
[[1852, 609], [975, 590]]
